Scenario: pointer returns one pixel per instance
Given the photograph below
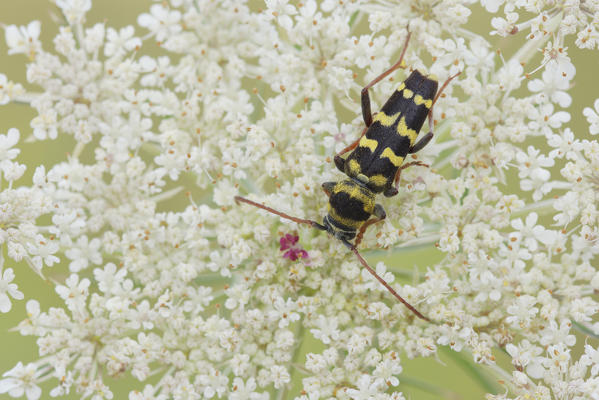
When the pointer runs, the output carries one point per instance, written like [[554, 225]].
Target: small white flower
[[553, 334], [530, 231], [45, 125], [538, 182], [545, 120], [84, 252], [522, 311], [94, 38], [587, 38], [246, 390], [43, 251], [568, 207], [281, 11], [9, 90], [591, 358], [280, 376], [510, 76], [120, 42], [21, 380], [552, 87], [370, 281], [74, 10], [564, 144], [7, 142], [377, 310], [492, 5], [238, 296], [531, 161], [504, 26], [479, 57], [327, 329], [110, 280], [6, 289], [12, 171], [161, 21], [284, 312], [592, 117], [24, 39], [149, 393], [368, 388], [387, 369], [75, 292]]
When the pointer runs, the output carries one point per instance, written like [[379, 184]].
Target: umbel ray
[[375, 162]]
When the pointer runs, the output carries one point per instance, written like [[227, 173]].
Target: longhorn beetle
[[374, 166]]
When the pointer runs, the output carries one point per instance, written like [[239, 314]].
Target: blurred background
[[451, 376]]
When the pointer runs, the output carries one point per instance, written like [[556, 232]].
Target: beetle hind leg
[[380, 215], [393, 190], [424, 140], [427, 138]]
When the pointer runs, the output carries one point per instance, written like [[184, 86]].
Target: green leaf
[[353, 17]]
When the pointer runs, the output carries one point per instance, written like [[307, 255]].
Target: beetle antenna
[[386, 285], [353, 248], [313, 224]]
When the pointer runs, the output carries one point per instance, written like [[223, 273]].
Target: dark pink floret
[[294, 251]]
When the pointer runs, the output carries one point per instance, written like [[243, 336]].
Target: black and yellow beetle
[[374, 166]]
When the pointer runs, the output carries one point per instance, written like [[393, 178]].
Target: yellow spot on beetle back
[[403, 130], [407, 94], [355, 224], [357, 192], [384, 119], [354, 167], [378, 180], [401, 87], [418, 99], [369, 143], [395, 159]]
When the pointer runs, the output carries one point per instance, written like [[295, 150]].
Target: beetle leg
[[366, 108], [392, 191], [427, 138], [424, 140], [340, 162], [380, 214], [313, 224], [365, 97], [385, 284], [441, 91]]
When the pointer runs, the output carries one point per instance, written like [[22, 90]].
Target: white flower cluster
[[211, 99]]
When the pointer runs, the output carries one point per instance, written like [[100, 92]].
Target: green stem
[[428, 388], [299, 334], [585, 329], [542, 207], [474, 370], [167, 195]]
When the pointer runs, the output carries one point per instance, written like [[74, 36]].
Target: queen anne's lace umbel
[[215, 99]]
